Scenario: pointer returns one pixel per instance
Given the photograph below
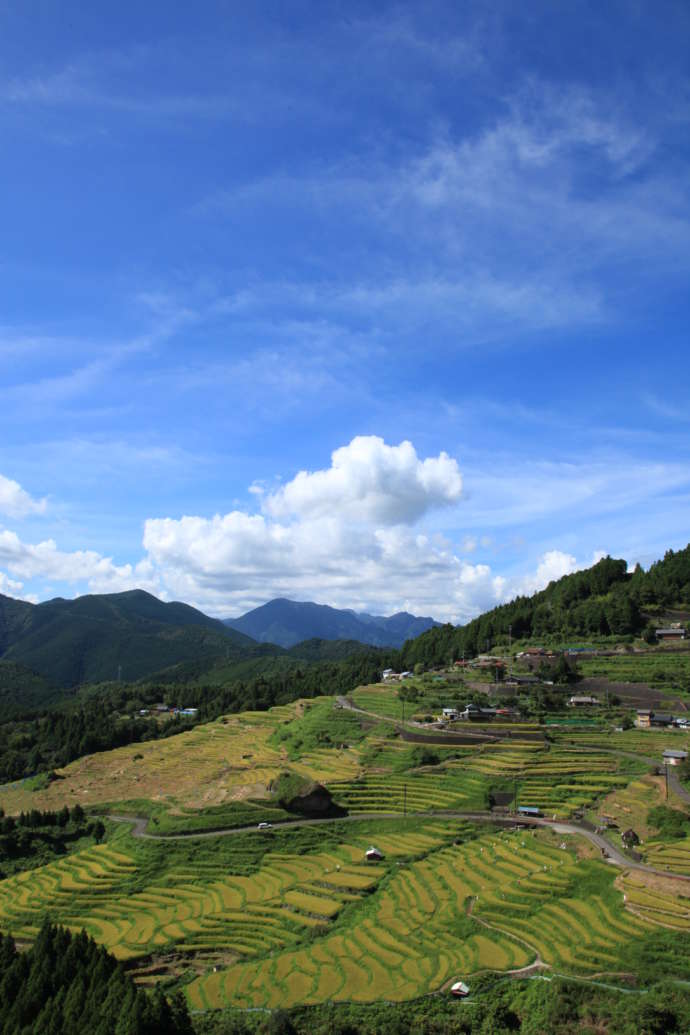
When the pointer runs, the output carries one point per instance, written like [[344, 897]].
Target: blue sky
[[380, 305]]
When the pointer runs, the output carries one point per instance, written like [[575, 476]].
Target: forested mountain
[[604, 600], [287, 622], [93, 638]]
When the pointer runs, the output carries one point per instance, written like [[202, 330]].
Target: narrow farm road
[[609, 851], [425, 735]]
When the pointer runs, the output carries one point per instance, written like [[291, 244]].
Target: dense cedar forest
[[35, 837], [603, 600], [68, 985]]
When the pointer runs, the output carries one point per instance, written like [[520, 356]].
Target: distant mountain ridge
[[92, 638], [287, 622]]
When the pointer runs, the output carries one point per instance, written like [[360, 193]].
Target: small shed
[[629, 838], [459, 989], [529, 810], [373, 854], [675, 757]]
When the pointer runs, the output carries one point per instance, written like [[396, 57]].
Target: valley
[[365, 843]]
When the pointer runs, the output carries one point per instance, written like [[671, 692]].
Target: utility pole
[[666, 771], [510, 651]]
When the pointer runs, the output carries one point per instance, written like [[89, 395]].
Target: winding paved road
[[610, 852]]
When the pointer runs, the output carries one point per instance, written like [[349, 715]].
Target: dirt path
[[531, 968]]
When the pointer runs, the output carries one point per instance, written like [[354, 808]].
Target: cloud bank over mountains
[[359, 533]]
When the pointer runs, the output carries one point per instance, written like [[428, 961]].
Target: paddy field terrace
[[296, 915]]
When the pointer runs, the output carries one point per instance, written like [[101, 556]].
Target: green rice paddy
[[299, 916]]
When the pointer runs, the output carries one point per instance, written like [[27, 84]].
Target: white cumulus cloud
[[45, 561], [371, 481], [16, 502], [355, 534]]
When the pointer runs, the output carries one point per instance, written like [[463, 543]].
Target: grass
[[230, 760]]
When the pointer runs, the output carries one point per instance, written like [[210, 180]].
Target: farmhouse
[[582, 701], [646, 718], [675, 757], [476, 714], [522, 680], [529, 810], [673, 632], [629, 838], [372, 854], [450, 713], [459, 989]]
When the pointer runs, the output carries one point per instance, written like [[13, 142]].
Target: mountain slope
[[92, 638], [604, 600], [288, 622]]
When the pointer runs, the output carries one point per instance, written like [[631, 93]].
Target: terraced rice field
[[674, 857], [415, 933], [190, 909], [382, 700], [416, 791], [648, 742], [661, 901], [557, 781], [580, 932]]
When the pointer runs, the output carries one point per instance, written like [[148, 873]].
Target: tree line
[[65, 984], [604, 600], [109, 719]]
